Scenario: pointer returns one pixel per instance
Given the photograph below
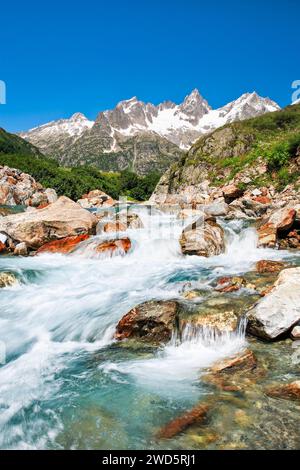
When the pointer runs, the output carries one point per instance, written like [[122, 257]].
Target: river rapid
[[66, 384]]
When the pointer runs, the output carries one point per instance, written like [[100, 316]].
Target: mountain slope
[[11, 143], [54, 137], [115, 138], [264, 150]]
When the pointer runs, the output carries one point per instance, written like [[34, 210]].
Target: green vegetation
[[76, 181], [11, 143], [273, 138]]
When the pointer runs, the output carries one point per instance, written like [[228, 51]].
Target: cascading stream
[[62, 367]]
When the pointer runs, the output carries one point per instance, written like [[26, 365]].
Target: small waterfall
[[208, 336]]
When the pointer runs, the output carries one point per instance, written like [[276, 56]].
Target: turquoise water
[[66, 383]]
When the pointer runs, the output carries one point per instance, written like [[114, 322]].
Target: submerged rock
[[289, 391], [278, 311], [63, 218], [203, 238], [7, 279], [152, 321], [233, 373], [194, 416], [230, 284], [64, 245], [241, 361], [267, 266]]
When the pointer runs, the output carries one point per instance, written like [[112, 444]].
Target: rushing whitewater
[[65, 383]]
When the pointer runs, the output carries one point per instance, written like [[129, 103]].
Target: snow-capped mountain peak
[[180, 124], [79, 117], [194, 106]]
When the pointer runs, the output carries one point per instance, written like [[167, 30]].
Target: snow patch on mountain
[[74, 126]]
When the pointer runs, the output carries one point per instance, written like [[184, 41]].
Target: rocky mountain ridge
[[140, 135]]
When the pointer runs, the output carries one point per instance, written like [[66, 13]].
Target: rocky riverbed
[[141, 327]]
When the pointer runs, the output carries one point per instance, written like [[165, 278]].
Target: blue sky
[[61, 57]]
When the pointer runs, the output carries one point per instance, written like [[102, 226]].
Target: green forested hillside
[[11, 143], [15, 152]]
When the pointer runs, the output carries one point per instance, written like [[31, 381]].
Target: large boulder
[[63, 218], [278, 311], [152, 321], [277, 230], [203, 238], [18, 188]]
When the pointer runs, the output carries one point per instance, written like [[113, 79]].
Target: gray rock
[[278, 311], [218, 209]]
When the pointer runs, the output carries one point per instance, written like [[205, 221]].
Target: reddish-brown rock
[[230, 284], [64, 245], [267, 266], [289, 391], [242, 361], [122, 244], [43, 205], [151, 321], [262, 199], [194, 416], [234, 373], [2, 248]]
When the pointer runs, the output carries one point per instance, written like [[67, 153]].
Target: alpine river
[[66, 384]]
